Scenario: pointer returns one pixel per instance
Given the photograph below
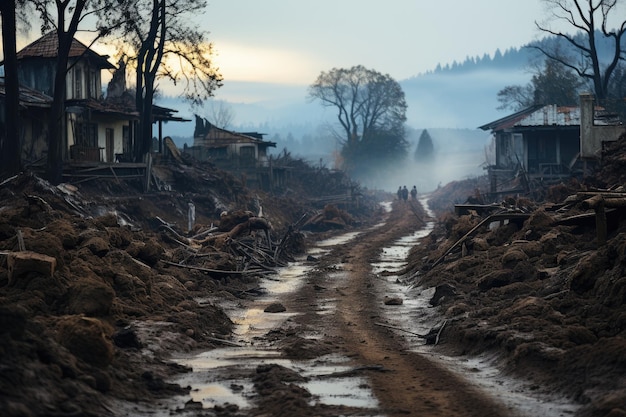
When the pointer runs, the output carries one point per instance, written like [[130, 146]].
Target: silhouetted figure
[[400, 193], [405, 193], [413, 193]]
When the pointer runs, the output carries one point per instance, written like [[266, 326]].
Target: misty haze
[[449, 105]]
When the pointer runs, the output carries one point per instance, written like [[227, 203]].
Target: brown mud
[[97, 301]]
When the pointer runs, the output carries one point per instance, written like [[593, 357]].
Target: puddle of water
[[351, 392], [255, 322], [220, 376]]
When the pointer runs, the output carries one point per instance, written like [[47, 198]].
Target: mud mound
[[544, 293], [100, 283]]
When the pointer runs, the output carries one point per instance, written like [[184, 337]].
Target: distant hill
[[458, 95]]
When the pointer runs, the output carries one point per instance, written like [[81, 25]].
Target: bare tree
[[366, 101], [221, 114], [551, 84], [592, 18], [371, 110], [161, 41]]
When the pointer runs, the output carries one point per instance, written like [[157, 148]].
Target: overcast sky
[[293, 41]]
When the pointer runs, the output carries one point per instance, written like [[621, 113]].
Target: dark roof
[[29, 97], [167, 115], [205, 128], [48, 46], [510, 120], [109, 108]]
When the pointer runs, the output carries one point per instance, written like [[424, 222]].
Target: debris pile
[[100, 283], [542, 284]]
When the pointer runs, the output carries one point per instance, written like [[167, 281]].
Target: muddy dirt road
[[410, 384], [407, 383], [336, 312]]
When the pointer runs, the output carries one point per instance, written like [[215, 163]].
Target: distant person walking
[[413, 193], [405, 193], [400, 193]]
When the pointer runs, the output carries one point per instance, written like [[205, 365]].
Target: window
[[86, 134], [78, 83], [93, 85]]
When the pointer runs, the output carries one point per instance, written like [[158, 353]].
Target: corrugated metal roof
[[552, 115], [510, 120], [539, 116], [48, 46]]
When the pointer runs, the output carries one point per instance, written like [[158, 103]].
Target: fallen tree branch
[[468, 234]]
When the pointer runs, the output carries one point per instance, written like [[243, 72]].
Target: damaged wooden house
[[242, 153], [99, 130], [547, 143]]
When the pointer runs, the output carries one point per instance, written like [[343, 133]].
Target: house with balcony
[[96, 130], [100, 132]]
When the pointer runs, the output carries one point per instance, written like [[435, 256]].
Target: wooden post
[[597, 203]]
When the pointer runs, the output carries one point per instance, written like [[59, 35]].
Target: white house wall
[[118, 135], [103, 125]]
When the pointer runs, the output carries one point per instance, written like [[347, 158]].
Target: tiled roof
[[48, 45]]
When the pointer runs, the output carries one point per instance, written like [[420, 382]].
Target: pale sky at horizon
[[292, 42]]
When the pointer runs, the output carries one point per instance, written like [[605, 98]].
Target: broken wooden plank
[[23, 262]]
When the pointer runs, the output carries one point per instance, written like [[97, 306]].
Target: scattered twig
[[350, 372], [208, 270], [439, 332], [468, 234], [224, 342], [400, 329], [8, 180], [20, 241], [206, 232]]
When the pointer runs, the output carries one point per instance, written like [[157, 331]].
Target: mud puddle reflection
[[417, 316], [223, 376]]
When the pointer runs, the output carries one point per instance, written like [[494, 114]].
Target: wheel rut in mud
[[403, 382]]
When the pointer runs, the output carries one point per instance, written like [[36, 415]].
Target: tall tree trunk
[[10, 148], [56, 125]]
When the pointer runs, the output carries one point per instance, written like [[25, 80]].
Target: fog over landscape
[[450, 104]]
